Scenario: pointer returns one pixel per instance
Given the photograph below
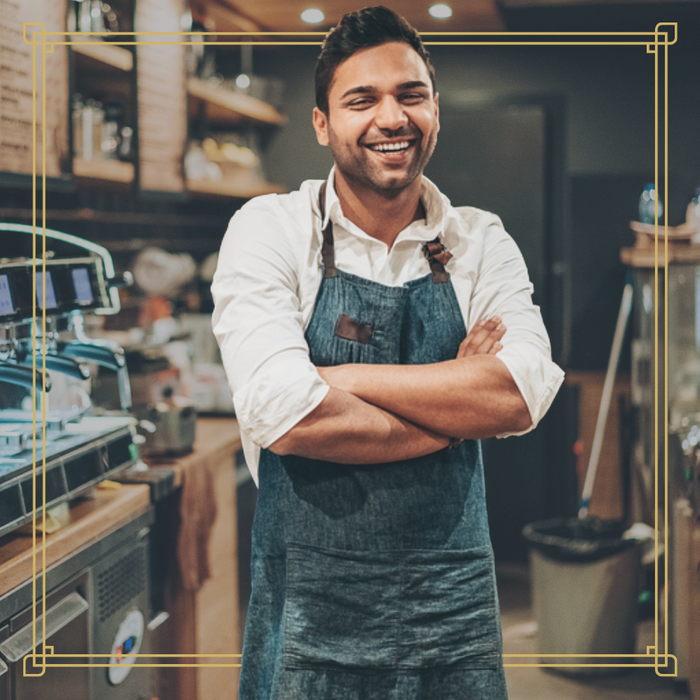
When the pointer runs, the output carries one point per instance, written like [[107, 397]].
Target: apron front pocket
[[390, 610]]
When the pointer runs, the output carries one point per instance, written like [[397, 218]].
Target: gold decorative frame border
[[656, 42]]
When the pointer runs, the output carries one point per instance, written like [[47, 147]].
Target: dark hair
[[371, 26]]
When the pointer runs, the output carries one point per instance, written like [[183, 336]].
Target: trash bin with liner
[[585, 578]]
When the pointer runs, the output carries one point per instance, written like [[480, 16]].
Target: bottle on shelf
[[77, 113], [83, 16], [92, 16], [98, 116], [88, 118], [648, 212], [126, 146], [113, 112]]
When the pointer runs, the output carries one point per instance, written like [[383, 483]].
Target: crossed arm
[[383, 413]]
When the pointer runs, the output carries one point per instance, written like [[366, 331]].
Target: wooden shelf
[[228, 107], [681, 246], [105, 54], [208, 188], [107, 170], [645, 257]]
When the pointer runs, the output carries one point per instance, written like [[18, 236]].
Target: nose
[[390, 114]]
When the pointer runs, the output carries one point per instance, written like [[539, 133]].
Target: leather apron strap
[[328, 249], [437, 256]]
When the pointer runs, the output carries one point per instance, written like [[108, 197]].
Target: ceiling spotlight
[[440, 11], [243, 81], [313, 16]]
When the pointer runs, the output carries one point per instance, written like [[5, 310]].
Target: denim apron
[[375, 582]]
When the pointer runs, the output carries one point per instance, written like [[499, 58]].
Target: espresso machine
[[45, 411], [99, 598]]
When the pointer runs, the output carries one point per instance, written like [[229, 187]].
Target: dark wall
[[608, 99]]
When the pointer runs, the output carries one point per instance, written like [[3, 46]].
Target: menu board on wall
[[162, 97], [16, 77]]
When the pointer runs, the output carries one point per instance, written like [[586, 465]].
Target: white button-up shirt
[[269, 273]]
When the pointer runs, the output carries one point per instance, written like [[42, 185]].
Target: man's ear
[[320, 121], [437, 110]]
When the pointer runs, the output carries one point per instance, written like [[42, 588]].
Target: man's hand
[[483, 339], [472, 396]]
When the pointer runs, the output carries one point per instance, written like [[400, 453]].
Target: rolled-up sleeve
[[503, 288], [258, 324]]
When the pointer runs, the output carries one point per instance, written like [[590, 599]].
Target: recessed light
[[440, 11], [313, 16]]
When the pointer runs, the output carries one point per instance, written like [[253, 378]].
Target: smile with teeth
[[395, 147]]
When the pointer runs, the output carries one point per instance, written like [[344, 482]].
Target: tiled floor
[[519, 637]]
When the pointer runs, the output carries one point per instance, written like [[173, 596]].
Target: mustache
[[406, 132]]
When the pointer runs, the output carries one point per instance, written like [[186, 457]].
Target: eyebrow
[[364, 89]]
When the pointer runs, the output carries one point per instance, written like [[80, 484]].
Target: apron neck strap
[[328, 249]]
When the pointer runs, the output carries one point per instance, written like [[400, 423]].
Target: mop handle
[[622, 318]]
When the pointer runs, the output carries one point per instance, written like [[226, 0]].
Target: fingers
[[484, 338]]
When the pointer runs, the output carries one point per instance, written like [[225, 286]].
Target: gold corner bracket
[[662, 31], [666, 666], [34, 665], [37, 36], [41, 32]]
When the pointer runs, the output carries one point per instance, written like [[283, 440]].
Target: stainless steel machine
[[45, 409], [98, 600]]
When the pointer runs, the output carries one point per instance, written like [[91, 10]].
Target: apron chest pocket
[[398, 609]]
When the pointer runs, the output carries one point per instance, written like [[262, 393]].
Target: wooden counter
[[196, 523], [204, 617], [90, 519]]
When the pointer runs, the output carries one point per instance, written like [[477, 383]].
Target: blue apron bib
[[375, 582]]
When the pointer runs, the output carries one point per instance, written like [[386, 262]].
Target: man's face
[[382, 120]]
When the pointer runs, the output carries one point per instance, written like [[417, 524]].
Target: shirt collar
[[435, 203]]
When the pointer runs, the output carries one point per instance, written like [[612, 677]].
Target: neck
[[378, 216]]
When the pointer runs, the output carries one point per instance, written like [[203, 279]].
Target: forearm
[[348, 430], [470, 397]]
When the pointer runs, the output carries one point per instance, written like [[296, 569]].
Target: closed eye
[[412, 97], [359, 104], [409, 98]]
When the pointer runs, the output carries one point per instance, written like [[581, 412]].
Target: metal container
[[168, 426]]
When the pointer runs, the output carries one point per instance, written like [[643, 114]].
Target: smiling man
[[372, 333]]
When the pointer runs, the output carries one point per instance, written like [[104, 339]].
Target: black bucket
[[575, 540]]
